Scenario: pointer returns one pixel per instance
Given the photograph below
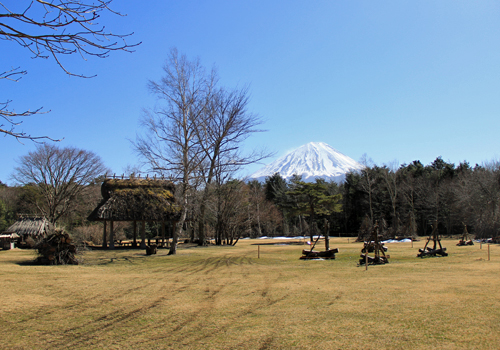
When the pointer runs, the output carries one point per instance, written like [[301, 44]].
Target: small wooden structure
[[137, 200], [465, 239], [373, 245], [434, 237], [312, 254], [29, 226], [328, 253], [7, 240]]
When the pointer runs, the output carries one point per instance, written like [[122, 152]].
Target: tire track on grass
[[192, 330], [90, 334]]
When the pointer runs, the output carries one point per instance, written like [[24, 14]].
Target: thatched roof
[[34, 226], [12, 235], [136, 200]]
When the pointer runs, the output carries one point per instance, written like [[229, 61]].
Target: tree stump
[[151, 249]]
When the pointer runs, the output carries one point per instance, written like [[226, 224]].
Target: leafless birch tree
[[227, 123], [170, 145]]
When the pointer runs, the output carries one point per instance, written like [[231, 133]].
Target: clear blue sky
[[397, 80]]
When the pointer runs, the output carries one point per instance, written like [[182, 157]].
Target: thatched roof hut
[[136, 200], [7, 240], [31, 226]]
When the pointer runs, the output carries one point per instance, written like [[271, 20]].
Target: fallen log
[[431, 252], [312, 254]]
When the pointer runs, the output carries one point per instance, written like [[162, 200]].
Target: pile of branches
[[56, 249]]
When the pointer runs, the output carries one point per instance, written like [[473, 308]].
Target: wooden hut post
[[111, 235], [162, 233], [134, 242], [143, 234], [104, 238]]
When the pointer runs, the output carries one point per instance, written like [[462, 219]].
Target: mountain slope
[[313, 160]]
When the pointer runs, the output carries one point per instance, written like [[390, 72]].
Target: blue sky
[[397, 80]]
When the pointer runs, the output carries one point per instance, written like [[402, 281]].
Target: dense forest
[[404, 201]]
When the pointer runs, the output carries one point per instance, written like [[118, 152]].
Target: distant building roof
[[136, 200], [28, 225], [9, 235]]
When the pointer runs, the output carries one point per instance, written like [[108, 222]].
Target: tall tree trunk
[[175, 234], [178, 225], [327, 234], [202, 237]]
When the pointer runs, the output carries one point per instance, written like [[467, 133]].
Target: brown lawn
[[228, 298]]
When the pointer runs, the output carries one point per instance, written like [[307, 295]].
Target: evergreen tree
[[313, 201]]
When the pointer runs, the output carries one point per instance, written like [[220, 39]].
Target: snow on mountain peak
[[311, 161]]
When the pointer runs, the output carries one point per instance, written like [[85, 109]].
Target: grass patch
[[227, 298]]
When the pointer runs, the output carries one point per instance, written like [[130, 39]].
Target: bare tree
[[227, 123], [389, 174], [478, 194], [171, 145], [54, 29], [368, 181], [230, 209], [61, 175]]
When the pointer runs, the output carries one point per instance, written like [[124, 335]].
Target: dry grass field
[[228, 298]]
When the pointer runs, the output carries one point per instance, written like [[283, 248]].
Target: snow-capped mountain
[[313, 160]]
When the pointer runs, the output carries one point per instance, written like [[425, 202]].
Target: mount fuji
[[311, 161]]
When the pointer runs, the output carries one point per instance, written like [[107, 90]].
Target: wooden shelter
[[137, 200], [30, 226], [7, 240]]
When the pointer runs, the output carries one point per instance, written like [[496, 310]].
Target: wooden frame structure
[[434, 237], [328, 253], [373, 245], [465, 239], [137, 200]]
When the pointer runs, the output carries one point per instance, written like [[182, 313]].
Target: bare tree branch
[[53, 29]]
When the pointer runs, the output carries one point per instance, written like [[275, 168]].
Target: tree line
[[405, 201], [411, 197]]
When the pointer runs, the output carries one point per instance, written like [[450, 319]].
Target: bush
[[93, 233], [88, 234]]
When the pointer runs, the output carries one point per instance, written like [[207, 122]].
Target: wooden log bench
[[312, 254]]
